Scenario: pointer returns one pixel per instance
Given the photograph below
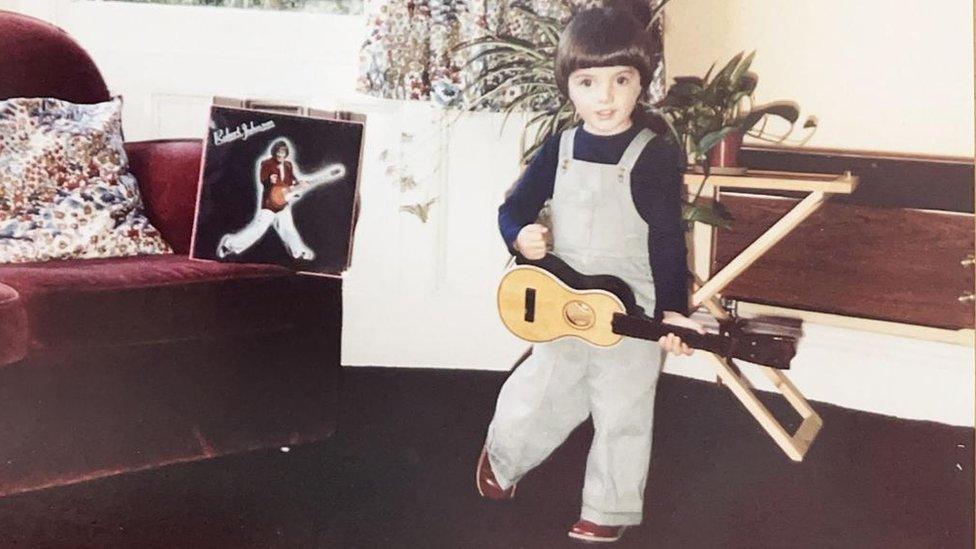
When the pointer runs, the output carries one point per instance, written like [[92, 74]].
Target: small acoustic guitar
[[547, 299]]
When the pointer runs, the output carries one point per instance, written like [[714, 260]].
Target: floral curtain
[[409, 52]]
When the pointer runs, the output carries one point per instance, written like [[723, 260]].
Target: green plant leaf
[[533, 15], [655, 13], [748, 82], [679, 80], [517, 73], [708, 73], [787, 110], [504, 87], [538, 118], [709, 213], [549, 124], [484, 97], [708, 141], [676, 135], [517, 44], [461, 46], [505, 54], [514, 104], [685, 89], [484, 78], [740, 71], [723, 77], [550, 33], [534, 76]]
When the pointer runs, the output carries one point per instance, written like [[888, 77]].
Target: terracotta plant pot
[[725, 153]]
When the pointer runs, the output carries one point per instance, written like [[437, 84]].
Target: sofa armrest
[[13, 326], [168, 172]]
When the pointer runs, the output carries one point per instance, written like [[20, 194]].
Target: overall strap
[[629, 158], [566, 141]]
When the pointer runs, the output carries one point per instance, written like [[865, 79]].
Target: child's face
[[605, 97]]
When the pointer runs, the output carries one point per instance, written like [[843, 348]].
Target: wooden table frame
[[708, 286]]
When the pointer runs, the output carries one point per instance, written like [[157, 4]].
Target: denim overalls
[[597, 230]]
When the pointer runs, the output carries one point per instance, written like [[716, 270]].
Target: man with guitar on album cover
[[614, 184], [280, 191]]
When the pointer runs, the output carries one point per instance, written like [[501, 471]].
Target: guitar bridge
[[530, 304]]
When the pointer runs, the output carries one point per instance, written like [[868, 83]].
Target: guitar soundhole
[[579, 315]]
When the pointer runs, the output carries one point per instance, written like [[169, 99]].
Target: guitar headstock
[[769, 350]]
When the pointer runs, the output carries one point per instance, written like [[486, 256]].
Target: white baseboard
[[880, 373]]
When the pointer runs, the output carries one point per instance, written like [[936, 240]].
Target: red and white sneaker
[[485, 480], [589, 532]]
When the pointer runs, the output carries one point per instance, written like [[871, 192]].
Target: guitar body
[[276, 197], [537, 306], [281, 194]]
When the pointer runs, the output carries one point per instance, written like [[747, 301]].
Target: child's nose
[[606, 93]]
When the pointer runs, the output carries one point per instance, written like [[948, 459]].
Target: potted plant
[[710, 115]]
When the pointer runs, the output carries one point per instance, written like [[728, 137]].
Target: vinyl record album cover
[[278, 188]]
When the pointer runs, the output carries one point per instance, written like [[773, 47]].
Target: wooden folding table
[[819, 187]]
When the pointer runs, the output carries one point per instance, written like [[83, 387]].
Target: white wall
[[884, 75], [422, 294], [169, 61]]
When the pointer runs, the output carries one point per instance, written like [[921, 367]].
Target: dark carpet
[[400, 473]]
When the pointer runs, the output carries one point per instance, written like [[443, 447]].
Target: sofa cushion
[[65, 187], [144, 299]]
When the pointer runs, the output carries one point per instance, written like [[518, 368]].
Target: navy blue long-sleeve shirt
[[655, 185]]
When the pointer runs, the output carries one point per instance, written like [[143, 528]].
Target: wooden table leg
[[796, 445]]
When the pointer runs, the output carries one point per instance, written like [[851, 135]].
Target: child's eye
[[585, 82], [623, 80]]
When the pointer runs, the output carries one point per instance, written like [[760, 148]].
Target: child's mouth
[[604, 114]]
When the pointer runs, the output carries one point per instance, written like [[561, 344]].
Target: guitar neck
[[651, 330]]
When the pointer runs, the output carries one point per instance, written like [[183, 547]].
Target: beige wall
[[885, 75]]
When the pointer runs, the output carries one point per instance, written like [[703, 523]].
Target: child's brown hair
[[608, 37], [604, 37]]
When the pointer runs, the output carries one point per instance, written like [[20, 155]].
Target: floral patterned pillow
[[65, 187]]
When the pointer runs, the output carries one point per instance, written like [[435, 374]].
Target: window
[[350, 7]]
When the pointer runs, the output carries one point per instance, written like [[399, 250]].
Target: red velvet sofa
[[115, 365]]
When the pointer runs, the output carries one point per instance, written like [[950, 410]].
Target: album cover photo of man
[[278, 189]]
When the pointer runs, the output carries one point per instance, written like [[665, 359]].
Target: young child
[[615, 190]]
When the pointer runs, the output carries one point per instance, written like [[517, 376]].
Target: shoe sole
[[592, 539], [477, 485]]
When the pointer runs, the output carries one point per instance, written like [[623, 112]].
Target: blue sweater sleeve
[[530, 192], [656, 186]]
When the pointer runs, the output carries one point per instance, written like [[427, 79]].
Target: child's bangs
[[629, 57]]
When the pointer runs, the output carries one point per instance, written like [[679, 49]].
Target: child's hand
[[274, 179], [672, 343], [531, 241]]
